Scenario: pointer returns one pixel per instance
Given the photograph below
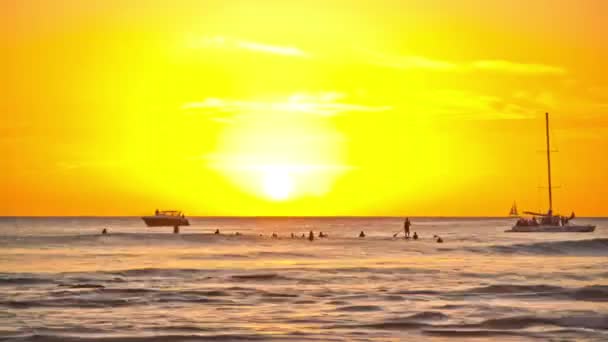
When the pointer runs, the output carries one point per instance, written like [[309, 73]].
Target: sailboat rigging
[[549, 222]]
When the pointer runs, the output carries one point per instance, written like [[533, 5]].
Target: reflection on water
[[61, 280]]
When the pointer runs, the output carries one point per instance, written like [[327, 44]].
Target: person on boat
[[311, 236], [415, 236], [406, 228], [362, 234], [217, 232]]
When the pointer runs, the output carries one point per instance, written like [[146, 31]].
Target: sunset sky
[[420, 107]]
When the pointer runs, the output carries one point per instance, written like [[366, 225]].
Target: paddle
[[397, 233]]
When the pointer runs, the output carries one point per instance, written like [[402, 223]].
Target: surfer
[[104, 231], [311, 236], [362, 234], [406, 228], [438, 238], [415, 236], [217, 232]]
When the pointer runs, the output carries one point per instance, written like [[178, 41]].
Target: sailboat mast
[[549, 162]]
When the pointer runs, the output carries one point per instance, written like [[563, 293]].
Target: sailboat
[[549, 222], [513, 211]]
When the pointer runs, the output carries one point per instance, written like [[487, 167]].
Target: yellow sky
[[301, 107]]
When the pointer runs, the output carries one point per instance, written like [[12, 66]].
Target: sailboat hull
[[552, 229]]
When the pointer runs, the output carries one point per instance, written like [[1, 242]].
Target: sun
[[277, 184]]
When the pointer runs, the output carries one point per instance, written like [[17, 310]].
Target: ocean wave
[[427, 322], [144, 338], [258, 277], [17, 280], [360, 308], [586, 293], [591, 247], [522, 322]]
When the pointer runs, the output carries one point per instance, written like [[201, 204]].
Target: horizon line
[[285, 216]]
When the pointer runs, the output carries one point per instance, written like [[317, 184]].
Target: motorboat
[[166, 218]]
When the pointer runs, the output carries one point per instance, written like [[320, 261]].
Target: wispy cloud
[[237, 44], [227, 161], [494, 65], [323, 104], [469, 105], [517, 68]]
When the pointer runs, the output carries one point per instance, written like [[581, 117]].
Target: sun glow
[[276, 107], [277, 183]]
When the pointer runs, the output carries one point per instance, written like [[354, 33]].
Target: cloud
[[323, 104], [517, 68], [237, 44], [468, 105], [496, 65]]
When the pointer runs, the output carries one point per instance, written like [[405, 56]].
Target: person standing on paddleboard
[[406, 227]]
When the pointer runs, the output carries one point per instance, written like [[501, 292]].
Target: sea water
[[62, 280]]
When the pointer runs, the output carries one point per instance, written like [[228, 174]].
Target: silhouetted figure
[[104, 231], [406, 227], [362, 234], [311, 236], [237, 234], [156, 212], [303, 236], [293, 236], [176, 230], [415, 236], [438, 238], [217, 232], [275, 236]]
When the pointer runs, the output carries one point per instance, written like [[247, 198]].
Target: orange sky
[[301, 107]]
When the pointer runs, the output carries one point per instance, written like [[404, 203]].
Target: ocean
[[61, 280]]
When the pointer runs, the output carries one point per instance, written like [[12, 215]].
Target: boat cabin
[[175, 213]]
